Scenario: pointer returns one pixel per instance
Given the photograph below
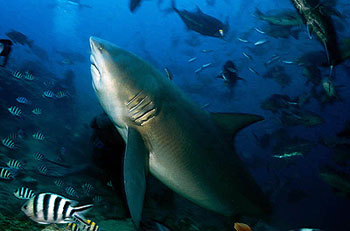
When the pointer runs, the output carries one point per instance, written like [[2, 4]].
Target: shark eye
[[100, 48]]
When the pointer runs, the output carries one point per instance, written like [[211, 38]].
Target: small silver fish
[[198, 70], [288, 155], [243, 40], [247, 56], [206, 65], [192, 59], [15, 111], [260, 31], [287, 62], [206, 51], [253, 71], [261, 42], [273, 58]]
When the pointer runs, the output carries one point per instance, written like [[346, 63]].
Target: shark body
[[188, 149]]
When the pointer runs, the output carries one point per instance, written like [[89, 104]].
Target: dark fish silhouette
[[202, 23], [229, 74], [18, 37], [320, 23], [5, 50], [134, 4]]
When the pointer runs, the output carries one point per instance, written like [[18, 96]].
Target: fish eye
[[25, 207]]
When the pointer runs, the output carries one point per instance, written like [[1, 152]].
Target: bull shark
[[187, 148]]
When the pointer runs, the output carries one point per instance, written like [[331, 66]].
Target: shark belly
[[190, 156]]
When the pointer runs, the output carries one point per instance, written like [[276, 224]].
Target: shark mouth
[[95, 72]]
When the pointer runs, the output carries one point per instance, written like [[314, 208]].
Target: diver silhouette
[[5, 50]]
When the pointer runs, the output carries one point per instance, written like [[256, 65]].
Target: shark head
[[121, 80]]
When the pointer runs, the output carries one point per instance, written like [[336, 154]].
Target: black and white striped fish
[[23, 100], [36, 111], [28, 76], [81, 224], [87, 188], [8, 143], [61, 94], [39, 156], [59, 183], [48, 208], [5, 174], [24, 193], [71, 191], [43, 169], [38, 136], [14, 164], [48, 94], [15, 111], [17, 74], [97, 199]]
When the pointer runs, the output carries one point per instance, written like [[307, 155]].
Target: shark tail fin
[[231, 123]]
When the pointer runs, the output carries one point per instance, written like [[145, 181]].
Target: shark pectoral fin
[[231, 123], [135, 167]]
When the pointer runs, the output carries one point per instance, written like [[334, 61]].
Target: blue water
[[161, 38]]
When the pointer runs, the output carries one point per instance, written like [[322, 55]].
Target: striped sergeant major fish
[[43, 169], [38, 136], [28, 76], [36, 111], [71, 191], [61, 94], [15, 111], [87, 188], [23, 100], [8, 143], [48, 94], [24, 193], [39, 156], [82, 225], [17, 74], [14, 164], [5, 174], [59, 183], [49, 208]]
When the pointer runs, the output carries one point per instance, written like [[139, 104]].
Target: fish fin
[[199, 10], [135, 167], [82, 209], [309, 31], [73, 203], [231, 123]]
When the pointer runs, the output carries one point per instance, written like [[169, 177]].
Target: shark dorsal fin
[[231, 123], [198, 9]]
